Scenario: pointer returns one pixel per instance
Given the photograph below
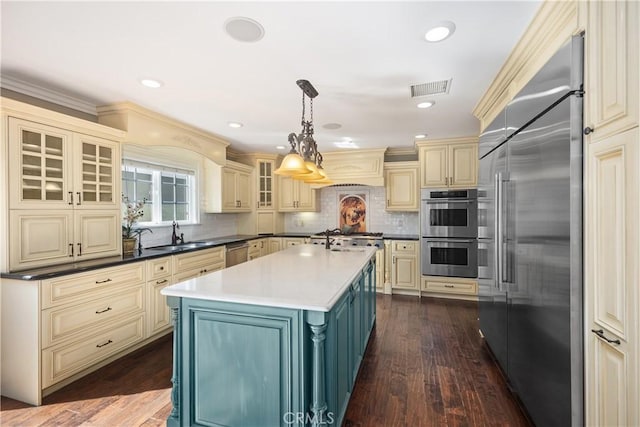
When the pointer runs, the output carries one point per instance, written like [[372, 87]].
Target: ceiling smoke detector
[[430, 88], [244, 29]]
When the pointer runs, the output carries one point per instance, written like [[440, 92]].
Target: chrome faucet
[[174, 236], [328, 242]]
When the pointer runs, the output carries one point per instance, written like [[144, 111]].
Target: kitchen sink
[[179, 247]]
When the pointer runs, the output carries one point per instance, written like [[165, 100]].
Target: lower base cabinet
[[241, 364], [449, 287]]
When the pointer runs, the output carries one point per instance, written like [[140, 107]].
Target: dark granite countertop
[[156, 252], [48, 272], [401, 237]]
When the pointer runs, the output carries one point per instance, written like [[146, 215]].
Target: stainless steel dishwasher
[[236, 253]]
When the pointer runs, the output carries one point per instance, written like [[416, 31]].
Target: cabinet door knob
[[588, 130]]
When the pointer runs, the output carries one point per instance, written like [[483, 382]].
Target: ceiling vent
[[431, 88]]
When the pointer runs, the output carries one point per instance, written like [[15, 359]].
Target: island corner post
[[242, 364]]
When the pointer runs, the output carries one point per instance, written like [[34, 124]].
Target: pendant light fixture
[[304, 162]]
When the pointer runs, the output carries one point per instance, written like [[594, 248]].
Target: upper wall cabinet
[[449, 163], [265, 185], [296, 196], [401, 186], [612, 66], [228, 188], [53, 168]]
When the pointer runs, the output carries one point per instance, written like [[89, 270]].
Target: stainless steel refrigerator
[[530, 240]]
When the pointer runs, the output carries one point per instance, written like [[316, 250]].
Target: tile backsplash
[[211, 225], [378, 220]]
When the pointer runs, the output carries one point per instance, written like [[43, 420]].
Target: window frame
[[157, 169]]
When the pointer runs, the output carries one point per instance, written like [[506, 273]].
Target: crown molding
[[31, 89]]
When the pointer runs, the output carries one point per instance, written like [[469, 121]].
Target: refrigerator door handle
[[497, 226]]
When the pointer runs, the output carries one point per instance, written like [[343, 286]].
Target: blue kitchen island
[[276, 341]]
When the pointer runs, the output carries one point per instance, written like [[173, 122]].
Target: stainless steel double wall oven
[[449, 232]]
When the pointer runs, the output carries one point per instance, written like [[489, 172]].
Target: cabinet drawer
[[199, 259], [158, 268], [403, 246], [59, 323], [62, 361], [254, 245], [89, 285], [450, 287], [190, 274]]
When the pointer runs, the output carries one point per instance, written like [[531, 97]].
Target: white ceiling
[[360, 56]]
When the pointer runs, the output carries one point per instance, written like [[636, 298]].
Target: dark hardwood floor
[[425, 366]]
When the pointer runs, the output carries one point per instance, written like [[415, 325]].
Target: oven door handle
[[447, 201], [438, 240]]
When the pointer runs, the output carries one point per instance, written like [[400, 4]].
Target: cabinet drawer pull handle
[[104, 311], [71, 246], [449, 286], [102, 345], [102, 281], [79, 202], [159, 282], [394, 260], [70, 197], [600, 333]]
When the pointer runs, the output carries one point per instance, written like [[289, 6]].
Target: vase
[[128, 245]]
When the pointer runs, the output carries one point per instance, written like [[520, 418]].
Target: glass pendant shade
[[293, 164], [313, 176], [323, 180]]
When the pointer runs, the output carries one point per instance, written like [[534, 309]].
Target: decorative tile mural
[[377, 219]]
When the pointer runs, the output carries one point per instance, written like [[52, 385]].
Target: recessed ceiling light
[[332, 126], [440, 32], [154, 84], [280, 147], [235, 124], [244, 29], [426, 104], [422, 135], [347, 143]]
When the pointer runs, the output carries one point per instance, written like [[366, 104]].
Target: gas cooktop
[[338, 232]]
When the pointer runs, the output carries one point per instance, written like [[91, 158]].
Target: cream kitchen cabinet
[[612, 234], [611, 47], [52, 168], [159, 273], [401, 186], [236, 188], [197, 263], [227, 188], [266, 185], [58, 236], [404, 265], [257, 248], [274, 244], [296, 196], [449, 163], [449, 287], [612, 280], [57, 329], [380, 270], [64, 197], [287, 242]]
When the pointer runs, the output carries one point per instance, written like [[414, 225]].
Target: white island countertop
[[306, 277]]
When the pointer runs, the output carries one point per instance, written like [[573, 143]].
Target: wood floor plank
[[425, 366]]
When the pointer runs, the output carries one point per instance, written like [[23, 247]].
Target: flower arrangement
[[133, 212]]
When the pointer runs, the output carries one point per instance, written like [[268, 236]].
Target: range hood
[[358, 167]]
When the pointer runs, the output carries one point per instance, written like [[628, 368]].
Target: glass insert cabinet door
[[265, 184], [97, 165], [40, 169], [55, 168]]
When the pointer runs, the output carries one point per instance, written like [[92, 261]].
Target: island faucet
[[174, 236], [327, 244]]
